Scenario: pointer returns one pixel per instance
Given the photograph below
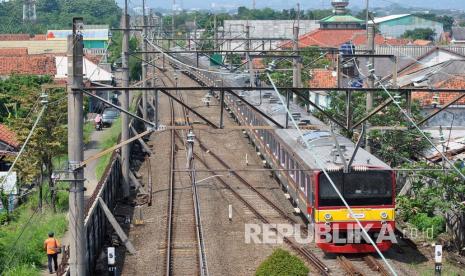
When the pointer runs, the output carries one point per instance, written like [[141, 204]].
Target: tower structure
[[29, 10]]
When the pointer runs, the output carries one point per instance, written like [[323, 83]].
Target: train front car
[[370, 192]]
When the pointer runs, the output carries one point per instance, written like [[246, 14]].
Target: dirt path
[[90, 149]]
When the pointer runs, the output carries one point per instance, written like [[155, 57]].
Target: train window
[[297, 174], [291, 167], [358, 188], [303, 181]]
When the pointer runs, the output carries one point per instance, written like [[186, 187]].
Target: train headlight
[[328, 216], [384, 215]]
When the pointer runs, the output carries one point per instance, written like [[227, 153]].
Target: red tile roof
[[30, 64], [8, 137], [21, 37], [334, 38], [397, 41], [13, 52], [426, 98], [322, 78], [422, 42]]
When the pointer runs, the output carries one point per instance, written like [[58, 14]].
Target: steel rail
[[347, 265], [203, 267], [169, 236], [314, 261]]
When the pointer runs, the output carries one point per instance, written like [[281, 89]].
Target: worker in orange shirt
[[52, 246]]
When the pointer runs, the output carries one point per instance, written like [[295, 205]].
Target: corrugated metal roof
[[341, 19], [390, 17]]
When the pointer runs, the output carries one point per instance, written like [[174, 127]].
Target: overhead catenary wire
[[322, 166], [10, 170], [417, 127]]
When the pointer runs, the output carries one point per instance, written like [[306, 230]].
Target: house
[[9, 146], [324, 78], [37, 44], [458, 35], [19, 61], [96, 38], [396, 25], [440, 68]]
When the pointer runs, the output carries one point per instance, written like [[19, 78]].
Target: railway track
[[184, 255], [345, 264]]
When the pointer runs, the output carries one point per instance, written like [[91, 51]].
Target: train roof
[[319, 138]]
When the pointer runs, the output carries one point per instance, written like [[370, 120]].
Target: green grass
[[109, 139], [27, 256], [88, 129], [427, 269]]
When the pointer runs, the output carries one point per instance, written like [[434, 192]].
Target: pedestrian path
[[91, 182]]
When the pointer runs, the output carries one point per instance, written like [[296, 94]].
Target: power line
[[322, 166], [23, 146], [418, 128]]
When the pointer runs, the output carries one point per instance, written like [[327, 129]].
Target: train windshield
[[358, 188]]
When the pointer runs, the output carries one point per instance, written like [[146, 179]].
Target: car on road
[[109, 115]]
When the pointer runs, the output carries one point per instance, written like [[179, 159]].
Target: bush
[[423, 222], [282, 263], [28, 254]]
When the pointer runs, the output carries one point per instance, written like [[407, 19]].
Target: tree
[[394, 147], [48, 139], [447, 21], [57, 14], [433, 196], [420, 33]]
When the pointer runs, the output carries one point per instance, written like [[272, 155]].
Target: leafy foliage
[[57, 14], [311, 58], [435, 193], [447, 21], [420, 33], [27, 254], [282, 263], [392, 146], [115, 50]]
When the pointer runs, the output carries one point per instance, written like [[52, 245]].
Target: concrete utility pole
[[144, 63], [78, 261], [297, 62], [215, 33], [125, 100], [248, 47], [172, 20], [371, 79]]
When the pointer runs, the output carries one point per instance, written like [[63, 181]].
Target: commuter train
[[368, 186]]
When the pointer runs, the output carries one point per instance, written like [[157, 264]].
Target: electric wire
[[322, 166], [23, 147], [418, 128]]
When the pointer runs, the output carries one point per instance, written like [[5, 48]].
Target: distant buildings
[[458, 35], [396, 25], [96, 39], [262, 29]]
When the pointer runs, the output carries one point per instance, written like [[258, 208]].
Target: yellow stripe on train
[[362, 214]]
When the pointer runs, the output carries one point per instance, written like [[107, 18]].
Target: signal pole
[[248, 47], [125, 100], [371, 79], [297, 62], [78, 261], [144, 63]]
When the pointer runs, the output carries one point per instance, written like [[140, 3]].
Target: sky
[[308, 4]]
